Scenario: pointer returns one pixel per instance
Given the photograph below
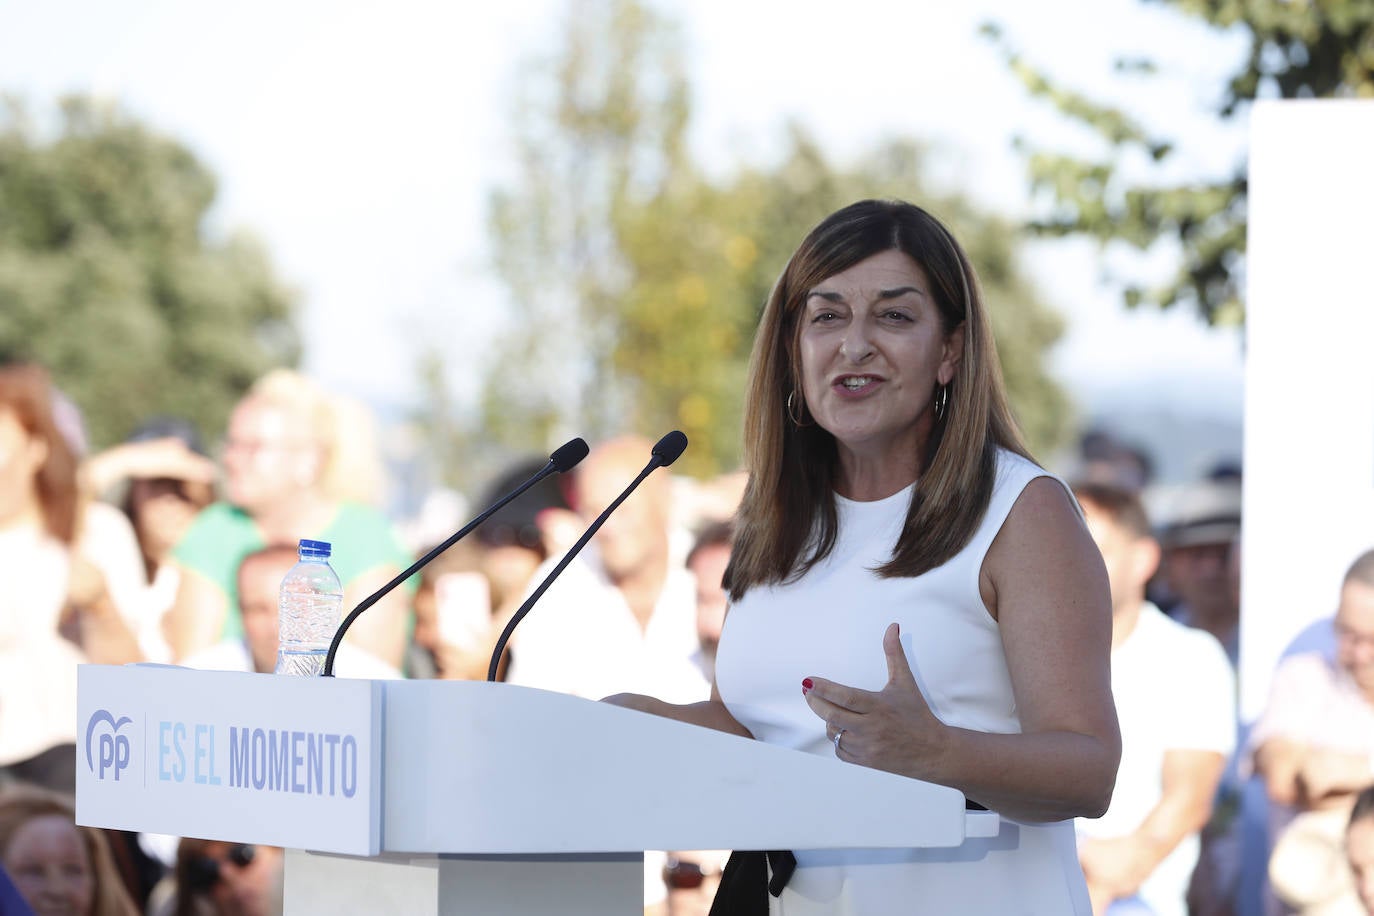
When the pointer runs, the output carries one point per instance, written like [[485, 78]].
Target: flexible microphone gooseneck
[[664, 453], [564, 458]]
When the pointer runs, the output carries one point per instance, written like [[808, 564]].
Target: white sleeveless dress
[[830, 623]]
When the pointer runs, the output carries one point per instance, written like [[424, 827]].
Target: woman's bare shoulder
[[1042, 540]]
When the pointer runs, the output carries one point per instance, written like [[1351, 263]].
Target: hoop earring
[[792, 413], [941, 403]]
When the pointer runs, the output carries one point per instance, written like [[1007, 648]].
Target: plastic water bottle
[[308, 609]]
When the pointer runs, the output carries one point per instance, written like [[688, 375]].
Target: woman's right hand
[[637, 702], [707, 714]]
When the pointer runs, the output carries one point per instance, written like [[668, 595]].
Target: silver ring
[[836, 740]]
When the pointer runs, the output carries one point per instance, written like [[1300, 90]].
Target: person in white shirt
[[709, 557], [1313, 747], [1175, 700], [622, 616], [161, 479], [60, 604]]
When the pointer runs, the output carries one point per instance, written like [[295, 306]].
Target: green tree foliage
[[1130, 193], [598, 128], [451, 452], [704, 256], [107, 277], [624, 256]]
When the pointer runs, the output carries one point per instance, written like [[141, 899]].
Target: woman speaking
[[909, 590]]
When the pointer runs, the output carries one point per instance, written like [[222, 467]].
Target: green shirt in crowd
[[222, 535]]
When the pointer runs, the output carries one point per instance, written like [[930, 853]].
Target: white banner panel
[[1309, 379], [192, 753]]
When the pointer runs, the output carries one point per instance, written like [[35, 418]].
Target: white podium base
[[583, 884]]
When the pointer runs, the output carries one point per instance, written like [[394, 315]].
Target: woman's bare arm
[[1045, 583], [1053, 607], [710, 713]]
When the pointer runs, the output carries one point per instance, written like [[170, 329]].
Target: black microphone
[[564, 458], [665, 452]]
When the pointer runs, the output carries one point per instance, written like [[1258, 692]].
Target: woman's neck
[[864, 482], [865, 477]]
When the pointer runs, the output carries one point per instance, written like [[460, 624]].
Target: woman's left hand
[[891, 729]]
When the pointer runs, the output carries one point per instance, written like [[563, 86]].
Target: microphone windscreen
[[667, 449], [567, 455]]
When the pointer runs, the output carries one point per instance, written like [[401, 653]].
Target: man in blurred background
[[622, 617], [1175, 700], [1314, 749], [1198, 542], [259, 580], [707, 560]]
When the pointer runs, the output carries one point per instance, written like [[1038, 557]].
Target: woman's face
[[164, 509], [48, 863], [872, 353], [1354, 627], [21, 455]]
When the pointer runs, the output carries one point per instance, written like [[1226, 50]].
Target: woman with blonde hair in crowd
[[57, 866], [51, 588], [291, 471]]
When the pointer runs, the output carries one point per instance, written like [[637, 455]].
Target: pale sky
[[360, 140]]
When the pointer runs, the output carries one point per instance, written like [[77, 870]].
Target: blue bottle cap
[[310, 548]]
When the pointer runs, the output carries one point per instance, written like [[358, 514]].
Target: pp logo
[[112, 749]]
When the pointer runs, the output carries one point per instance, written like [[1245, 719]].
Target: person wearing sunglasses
[[691, 879], [215, 878]]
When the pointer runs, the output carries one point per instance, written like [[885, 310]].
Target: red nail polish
[[806, 685]]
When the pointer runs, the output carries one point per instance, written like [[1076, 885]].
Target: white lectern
[[434, 797]]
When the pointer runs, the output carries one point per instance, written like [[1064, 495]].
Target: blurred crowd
[[166, 549], [1212, 815]]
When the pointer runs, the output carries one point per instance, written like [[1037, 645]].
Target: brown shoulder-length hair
[[20, 804], [26, 391], [787, 519]]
